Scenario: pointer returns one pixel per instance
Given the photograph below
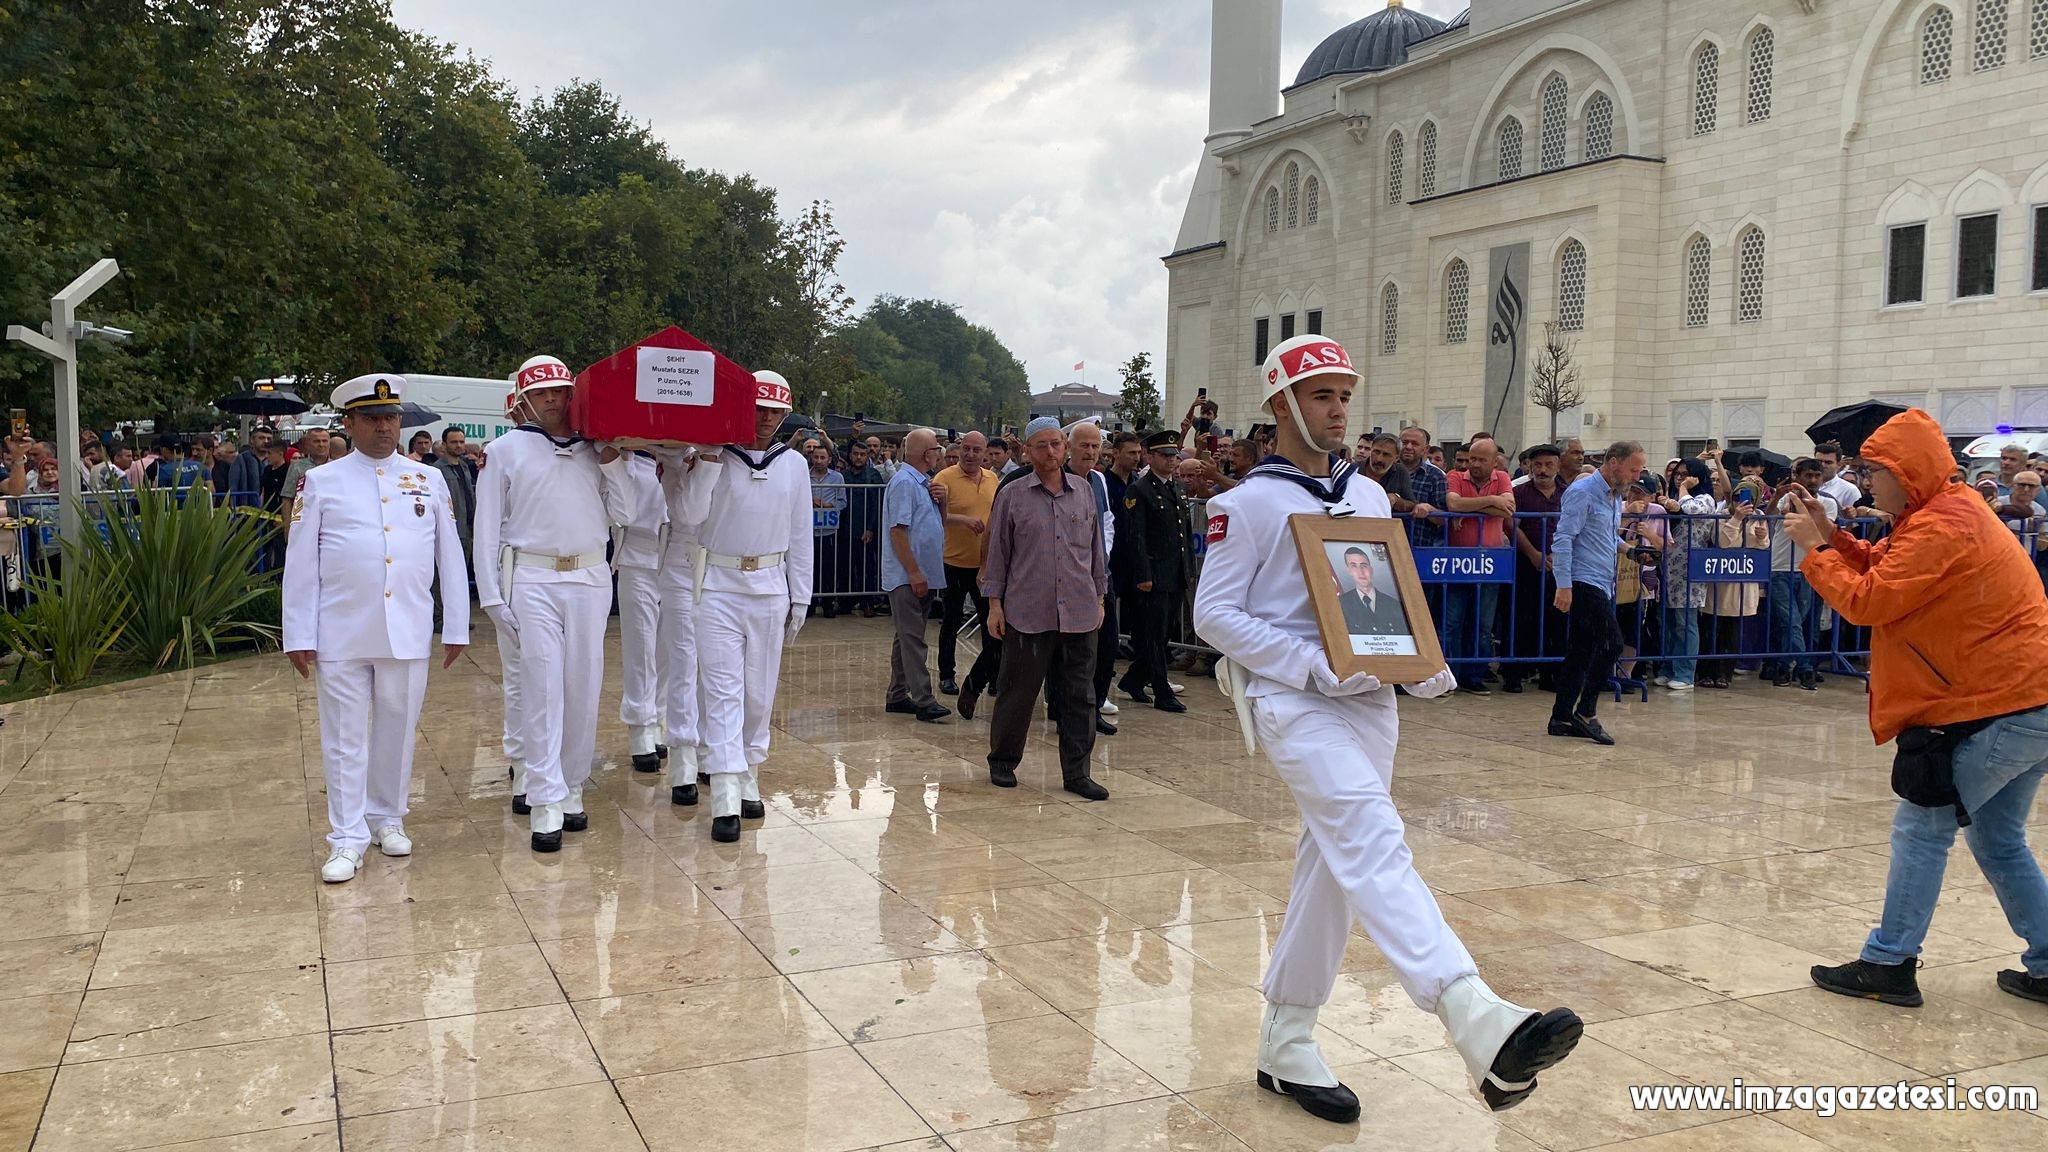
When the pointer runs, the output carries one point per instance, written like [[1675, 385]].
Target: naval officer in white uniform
[[637, 547], [371, 530], [1332, 742], [544, 512], [751, 515]]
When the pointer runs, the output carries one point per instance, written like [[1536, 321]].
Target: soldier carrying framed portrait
[[1368, 597]]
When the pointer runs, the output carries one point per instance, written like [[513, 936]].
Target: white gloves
[[1358, 684], [1435, 686], [501, 615], [796, 623]]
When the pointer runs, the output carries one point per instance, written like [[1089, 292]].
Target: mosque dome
[[1379, 41]]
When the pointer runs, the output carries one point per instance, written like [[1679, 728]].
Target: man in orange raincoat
[[1958, 621]]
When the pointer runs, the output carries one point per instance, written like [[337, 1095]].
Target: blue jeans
[[1795, 618], [1466, 637], [1682, 640], [1997, 772]]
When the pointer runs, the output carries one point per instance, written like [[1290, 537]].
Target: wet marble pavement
[[903, 957]]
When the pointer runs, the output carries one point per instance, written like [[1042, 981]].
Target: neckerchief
[[767, 458], [1330, 493], [571, 442]]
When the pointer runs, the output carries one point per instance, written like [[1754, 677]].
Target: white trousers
[[508, 679], [739, 657], [639, 645], [1337, 757], [561, 665], [680, 689], [369, 710]]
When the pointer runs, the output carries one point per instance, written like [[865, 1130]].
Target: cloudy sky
[[1029, 162]]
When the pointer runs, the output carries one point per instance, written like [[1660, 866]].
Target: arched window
[[1706, 91], [1312, 194], [1749, 283], [1550, 150], [1457, 302], [1425, 147], [1293, 196], [2037, 30], [1272, 209], [1510, 148], [1989, 35], [1390, 320], [1699, 281], [1571, 287], [1762, 48], [1937, 37], [1396, 146], [1599, 127]]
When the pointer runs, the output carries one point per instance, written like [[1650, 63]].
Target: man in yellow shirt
[[970, 494]]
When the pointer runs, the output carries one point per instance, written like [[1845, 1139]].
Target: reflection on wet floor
[[900, 956]]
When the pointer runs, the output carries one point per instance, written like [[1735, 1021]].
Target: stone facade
[[1824, 123]]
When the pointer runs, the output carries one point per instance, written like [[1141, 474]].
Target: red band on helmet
[[1312, 358], [545, 373]]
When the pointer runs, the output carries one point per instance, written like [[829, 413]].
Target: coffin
[[668, 390]]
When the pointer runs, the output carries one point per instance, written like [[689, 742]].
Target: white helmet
[[772, 391], [543, 372], [1299, 359]]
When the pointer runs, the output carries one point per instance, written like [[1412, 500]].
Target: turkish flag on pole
[[1081, 367]]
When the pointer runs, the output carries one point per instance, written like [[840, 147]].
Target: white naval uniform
[[1336, 755], [553, 506], [752, 506], [359, 569], [637, 546], [682, 694]]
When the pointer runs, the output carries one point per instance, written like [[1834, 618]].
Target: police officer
[[369, 533], [1332, 741], [1152, 567]]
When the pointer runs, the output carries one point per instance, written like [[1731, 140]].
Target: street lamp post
[[61, 345]]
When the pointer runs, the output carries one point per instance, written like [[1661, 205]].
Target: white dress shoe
[[341, 866], [1108, 708], [392, 841]]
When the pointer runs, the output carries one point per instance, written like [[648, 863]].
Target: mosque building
[[1736, 213]]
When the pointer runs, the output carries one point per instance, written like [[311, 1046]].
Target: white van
[[475, 405]]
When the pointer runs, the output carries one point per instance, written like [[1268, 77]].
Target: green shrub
[[187, 571], [66, 629]]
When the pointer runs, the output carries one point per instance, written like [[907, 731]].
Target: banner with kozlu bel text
[[1507, 345]]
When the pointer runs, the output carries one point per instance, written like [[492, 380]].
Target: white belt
[[557, 563], [744, 563]]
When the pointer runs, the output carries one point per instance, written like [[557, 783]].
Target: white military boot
[[519, 805], [750, 794], [1290, 1064], [546, 822], [726, 789], [644, 743], [1504, 1045], [683, 777], [573, 817]]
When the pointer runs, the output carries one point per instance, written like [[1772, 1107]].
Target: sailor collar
[[563, 447], [1331, 493], [759, 467]]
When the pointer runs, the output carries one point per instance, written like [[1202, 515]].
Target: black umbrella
[[1852, 424], [412, 415], [264, 400], [1777, 466]]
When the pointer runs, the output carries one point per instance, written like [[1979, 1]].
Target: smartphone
[[1201, 393], [860, 417], [18, 421]]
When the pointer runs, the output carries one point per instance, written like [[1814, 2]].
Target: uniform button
[[380, 471], [387, 595], [386, 499], [387, 527], [387, 560]]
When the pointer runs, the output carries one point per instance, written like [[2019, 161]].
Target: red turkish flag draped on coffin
[[669, 389]]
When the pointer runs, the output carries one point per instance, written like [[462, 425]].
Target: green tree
[[1138, 404]]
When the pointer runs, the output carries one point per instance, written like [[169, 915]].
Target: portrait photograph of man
[[1373, 614]]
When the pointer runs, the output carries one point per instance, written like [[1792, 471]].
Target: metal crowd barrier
[[29, 541]]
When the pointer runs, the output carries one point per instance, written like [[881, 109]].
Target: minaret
[[1244, 88]]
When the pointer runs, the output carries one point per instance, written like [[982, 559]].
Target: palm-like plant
[[63, 630], [187, 570]]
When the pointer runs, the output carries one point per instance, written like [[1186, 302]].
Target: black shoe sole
[[647, 762], [1170, 706], [900, 709], [725, 829], [1541, 1042], [969, 699], [576, 822], [1317, 1102], [1009, 781], [661, 751], [753, 810], [2010, 983], [1911, 999], [684, 795], [548, 841], [520, 807]]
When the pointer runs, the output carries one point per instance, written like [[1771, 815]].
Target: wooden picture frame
[[1366, 635]]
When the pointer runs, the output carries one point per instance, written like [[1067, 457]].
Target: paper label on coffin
[[669, 389]]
